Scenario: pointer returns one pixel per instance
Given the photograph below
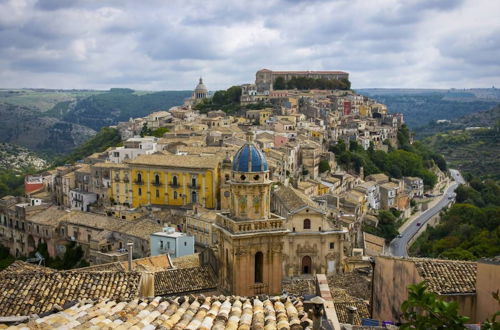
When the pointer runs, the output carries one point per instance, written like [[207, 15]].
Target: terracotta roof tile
[[180, 313], [293, 199], [22, 267], [183, 161], [36, 292], [184, 280], [448, 276], [342, 309]]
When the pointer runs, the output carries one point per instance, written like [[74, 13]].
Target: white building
[[414, 186], [372, 191], [132, 148], [171, 242], [80, 200]]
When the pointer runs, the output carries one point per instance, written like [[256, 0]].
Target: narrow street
[[399, 245]]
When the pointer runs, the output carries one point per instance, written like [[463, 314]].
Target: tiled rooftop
[[184, 280], [188, 261], [342, 309], [184, 161], [448, 276], [179, 313], [293, 199], [50, 216], [36, 292], [20, 267], [148, 264], [140, 228]]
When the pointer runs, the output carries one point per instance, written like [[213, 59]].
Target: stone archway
[[306, 265]]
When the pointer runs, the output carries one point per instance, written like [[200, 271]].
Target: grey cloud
[[168, 44]]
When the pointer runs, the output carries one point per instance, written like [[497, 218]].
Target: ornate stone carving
[[307, 249], [241, 251]]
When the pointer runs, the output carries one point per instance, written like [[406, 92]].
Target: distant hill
[[54, 122], [485, 119], [472, 150], [45, 135], [423, 106], [106, 109]]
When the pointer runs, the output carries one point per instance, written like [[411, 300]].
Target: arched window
[[174, 180], [194, 197], [307, 224], [139, 177], [157, 179], [175, 194], [306, 265], [259, 267]]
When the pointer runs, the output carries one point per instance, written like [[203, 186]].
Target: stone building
[[264, 79], [250, 237], [313, 244]]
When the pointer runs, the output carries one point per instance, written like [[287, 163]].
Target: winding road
[[398, 246]]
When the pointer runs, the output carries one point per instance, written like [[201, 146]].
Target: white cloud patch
[[156, 44]]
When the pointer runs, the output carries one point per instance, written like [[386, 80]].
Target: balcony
[[234, 226], [157, 184], [194, 186], [174, 185], [139, 183], [126, 180], [117, 179]]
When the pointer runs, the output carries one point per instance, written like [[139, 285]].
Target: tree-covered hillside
[[408, 160], [486, 118], [54, 122], [105, 138], [106, 109], [469, 230], [475, 152]]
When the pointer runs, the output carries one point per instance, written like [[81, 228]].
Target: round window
[[243, 177], [227, 193], [256, 177]]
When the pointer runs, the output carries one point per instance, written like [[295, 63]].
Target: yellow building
[[264, 116], [165, 179], [364, 110]]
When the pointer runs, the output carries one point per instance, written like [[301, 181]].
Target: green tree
[[279, 83], [159, 132], [423, 310], [324, 166]]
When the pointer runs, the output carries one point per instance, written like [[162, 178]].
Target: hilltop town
[[225, 216]]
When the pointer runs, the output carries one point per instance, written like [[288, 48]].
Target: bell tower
[[249, 236]]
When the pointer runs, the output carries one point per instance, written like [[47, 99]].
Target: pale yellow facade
[[164, 179]]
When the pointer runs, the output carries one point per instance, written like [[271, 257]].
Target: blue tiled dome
[[249, 159]]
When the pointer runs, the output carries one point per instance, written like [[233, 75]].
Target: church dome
[[201, 88], [249, 159]]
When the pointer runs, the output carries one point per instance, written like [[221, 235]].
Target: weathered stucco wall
[[487, 281], [390, 281]]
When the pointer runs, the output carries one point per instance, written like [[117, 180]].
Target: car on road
[[400, 236], [418, 223]]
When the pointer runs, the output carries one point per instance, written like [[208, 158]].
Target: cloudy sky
[[168, 44]]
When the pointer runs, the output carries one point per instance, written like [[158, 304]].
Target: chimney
[[130, 247], [352, 312]]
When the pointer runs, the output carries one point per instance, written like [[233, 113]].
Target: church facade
[[256, 248], [249, 238]]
